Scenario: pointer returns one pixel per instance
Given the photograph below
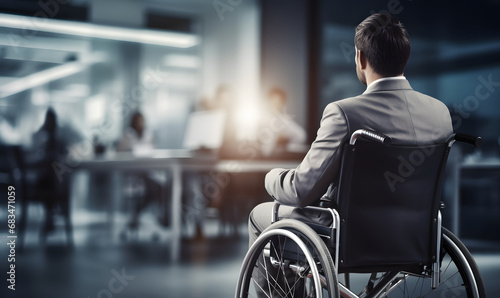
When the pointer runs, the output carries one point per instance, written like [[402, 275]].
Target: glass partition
[[95, 77]]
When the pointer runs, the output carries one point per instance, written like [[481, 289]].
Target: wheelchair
[[385, 238]]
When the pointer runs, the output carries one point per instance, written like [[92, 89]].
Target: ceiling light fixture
[[162, 38]]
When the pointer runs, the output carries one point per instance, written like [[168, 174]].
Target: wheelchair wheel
[[459, 276], [288, 260]]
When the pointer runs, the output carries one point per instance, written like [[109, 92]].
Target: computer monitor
[[205, 130]]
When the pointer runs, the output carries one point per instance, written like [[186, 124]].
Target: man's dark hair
[[385, 43]]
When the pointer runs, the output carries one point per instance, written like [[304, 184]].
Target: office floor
[[100, 266]]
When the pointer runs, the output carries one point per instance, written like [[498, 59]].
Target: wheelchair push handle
[[371, 135], [465, 138]]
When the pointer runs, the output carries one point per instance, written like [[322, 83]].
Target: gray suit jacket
[[389, 106]]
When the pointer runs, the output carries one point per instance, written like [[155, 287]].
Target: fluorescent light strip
[[48, 43], [46, 76], [40, 78], [171, 39]]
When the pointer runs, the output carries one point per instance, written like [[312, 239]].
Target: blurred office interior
[[93, 208]]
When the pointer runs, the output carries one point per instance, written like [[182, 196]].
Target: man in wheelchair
[[419, 129], [389, 106]]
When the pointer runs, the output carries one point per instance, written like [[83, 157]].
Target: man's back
[[393, 108], [388, 106]]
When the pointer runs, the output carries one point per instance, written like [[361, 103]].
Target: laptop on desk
[[204, 132]]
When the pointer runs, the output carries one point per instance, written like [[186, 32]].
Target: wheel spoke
[[262, 290], [416, 286], [279, 257], [282, 267], [270, 280], [267, 272], [447, 266]]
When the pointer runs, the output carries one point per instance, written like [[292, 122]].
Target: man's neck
[[378, 77], [371, 77]]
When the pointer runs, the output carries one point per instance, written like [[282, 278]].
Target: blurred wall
[[284, 53], [230, 36]]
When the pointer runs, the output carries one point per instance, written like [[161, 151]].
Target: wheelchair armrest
[[334, 236], [465, 138], [335, 215]]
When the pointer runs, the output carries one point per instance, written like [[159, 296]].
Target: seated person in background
[[49, 149], [389, 106], [137, 140], [279, 132]]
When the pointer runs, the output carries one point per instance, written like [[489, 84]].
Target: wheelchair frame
[[389, 281], [335, 234]]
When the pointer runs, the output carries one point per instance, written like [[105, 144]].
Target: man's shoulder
[[346, 102], [367, 98], [427, 98], [416, 100]]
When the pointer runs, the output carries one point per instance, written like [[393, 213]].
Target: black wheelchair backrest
[[388, 201]]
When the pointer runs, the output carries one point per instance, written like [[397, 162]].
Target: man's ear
[[361, 59]]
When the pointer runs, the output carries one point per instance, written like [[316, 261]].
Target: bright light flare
[[247, 121]]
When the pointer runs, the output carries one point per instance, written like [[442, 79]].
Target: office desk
[[178, 162]]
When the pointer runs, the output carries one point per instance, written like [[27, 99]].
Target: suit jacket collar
[[388, 85]]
